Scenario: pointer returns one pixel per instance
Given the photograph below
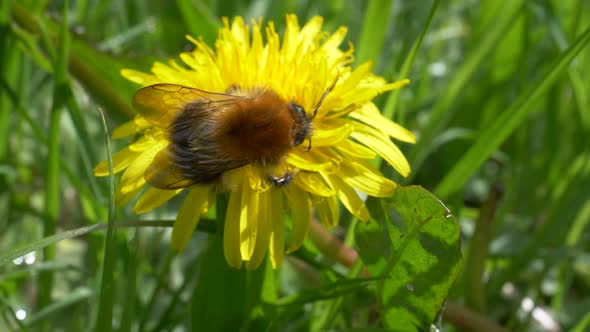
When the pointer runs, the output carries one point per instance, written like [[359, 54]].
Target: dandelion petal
[[231, 230], [153, 198], [299, 206], [188, 216], [277, 237], [248, 222], [264, 230]]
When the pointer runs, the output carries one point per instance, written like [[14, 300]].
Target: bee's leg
[[280, 181]]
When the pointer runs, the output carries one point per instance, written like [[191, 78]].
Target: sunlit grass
[[499, 102]]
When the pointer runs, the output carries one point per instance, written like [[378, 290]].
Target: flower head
[[347, 132]]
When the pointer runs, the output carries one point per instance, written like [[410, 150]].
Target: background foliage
[[500, 104]]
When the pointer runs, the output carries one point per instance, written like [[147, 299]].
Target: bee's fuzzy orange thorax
[[256, 128]]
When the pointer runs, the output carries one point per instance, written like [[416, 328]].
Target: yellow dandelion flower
[[184, 144]]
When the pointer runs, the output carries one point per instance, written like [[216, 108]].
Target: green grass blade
[[389, 109], [46, 313], [52, 186], [97, 73], [105, 305], [87, 151], [176, 297], [161, 285], [128, 315], [198, 19], [583, 324], [505, 124], [9, 315], [373, 30], [9, 66], [333, 307], [47, 241], [40, 136], [443, 111]]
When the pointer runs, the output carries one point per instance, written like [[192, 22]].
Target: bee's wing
[[170, 169], [161, 103], [177, 167], [193, 156]]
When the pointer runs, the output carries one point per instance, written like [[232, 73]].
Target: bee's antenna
[[317, 108], [321, 101]]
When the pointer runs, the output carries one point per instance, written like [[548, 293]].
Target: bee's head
[[302, 124], [302, 127]]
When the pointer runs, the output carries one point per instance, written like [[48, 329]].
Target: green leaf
[[415, 242], [218, 302]]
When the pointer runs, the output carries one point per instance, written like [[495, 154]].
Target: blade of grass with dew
[[52, 189], [105, 301], [33, 269], [47, 241], [443, 110], [373, 30], [390, 106], [9, 315], [505, 124]]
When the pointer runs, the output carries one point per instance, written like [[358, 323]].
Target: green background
[[499, 102]]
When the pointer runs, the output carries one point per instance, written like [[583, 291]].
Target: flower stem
[[478, 252]]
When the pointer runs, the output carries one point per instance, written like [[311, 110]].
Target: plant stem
[[478, 253]]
